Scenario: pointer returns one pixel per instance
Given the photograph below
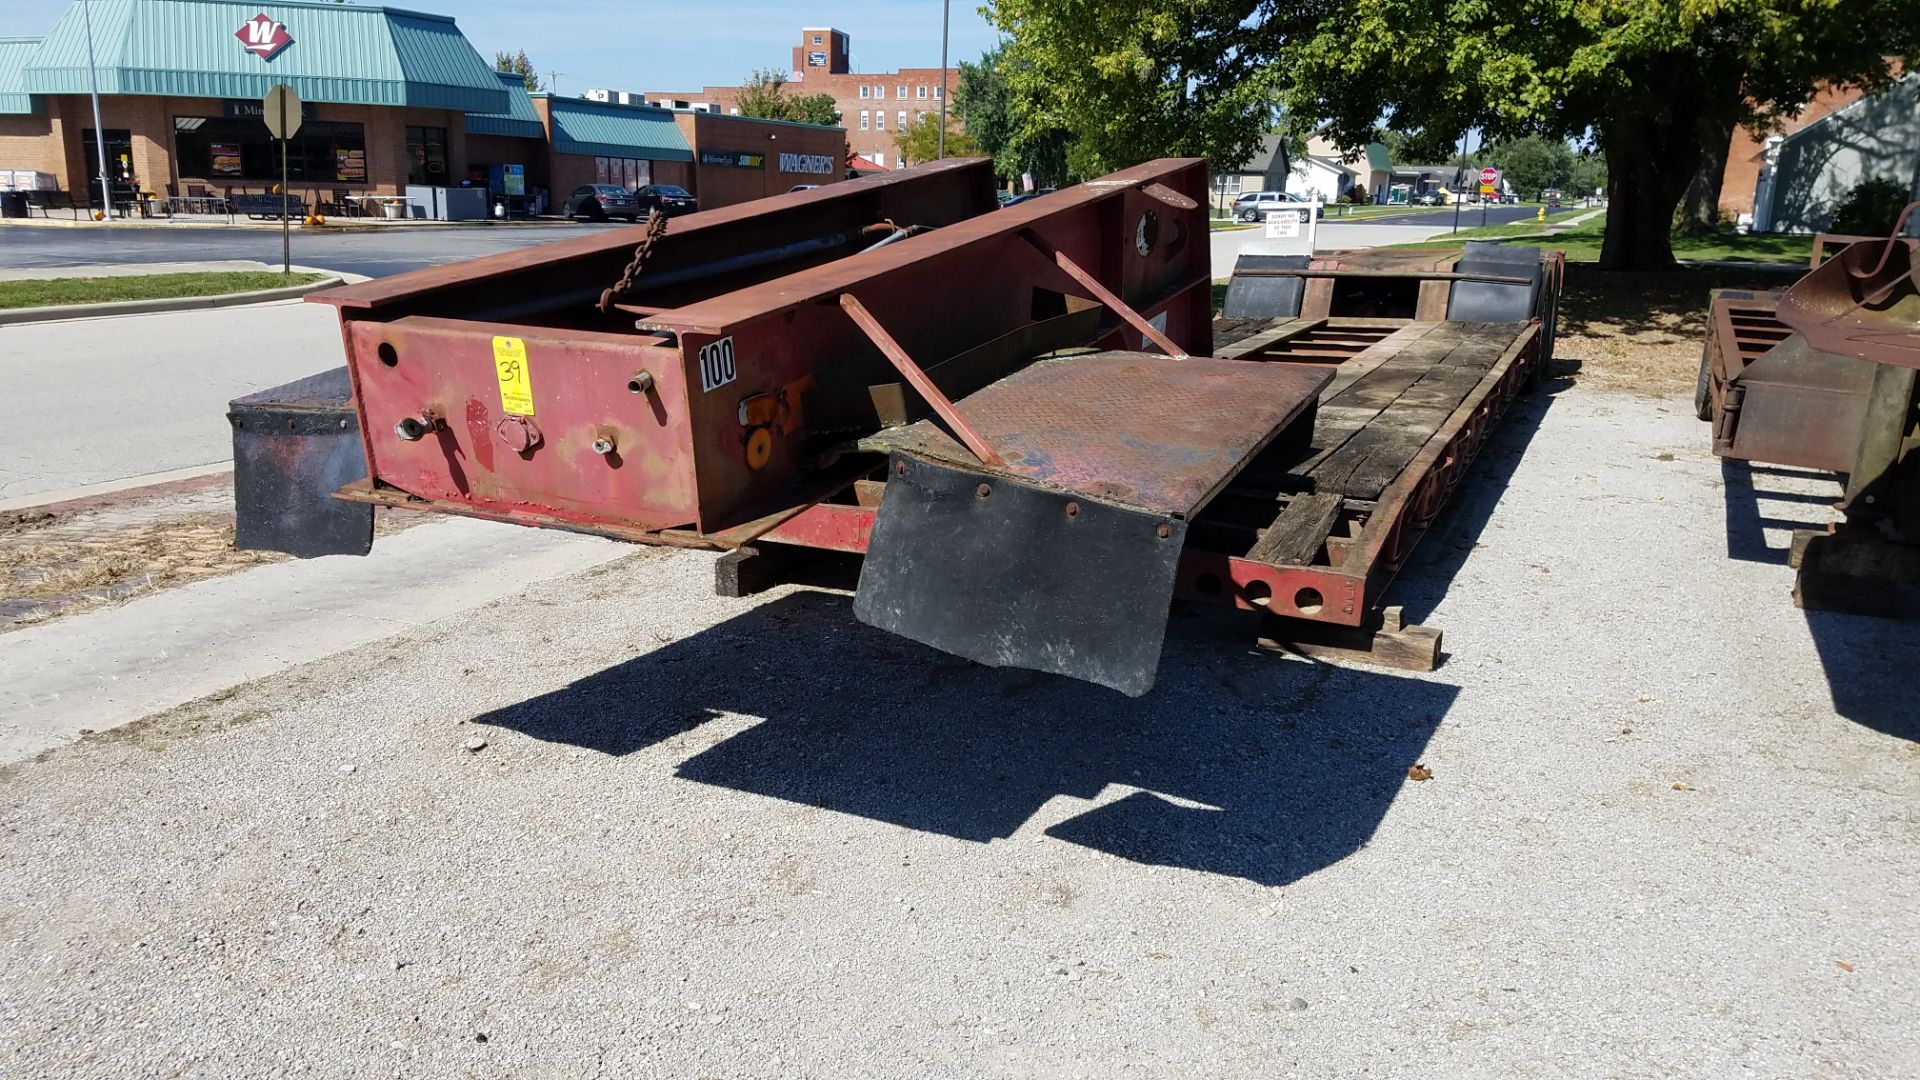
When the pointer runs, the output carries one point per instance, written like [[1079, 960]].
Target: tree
[[1138, 79], [815, 109], [921, 141], [518, 63], [1531, 164], [762, 94], [991, 113], [1657, 85]]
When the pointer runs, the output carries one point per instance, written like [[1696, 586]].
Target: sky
[[643, 45]]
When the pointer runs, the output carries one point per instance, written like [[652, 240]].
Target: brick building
[[874, 106], [392, 99]]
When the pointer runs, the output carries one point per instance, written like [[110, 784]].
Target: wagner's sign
[[733, 159], [263, 37], [819, 164]]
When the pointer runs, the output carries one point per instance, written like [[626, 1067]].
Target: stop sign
[[1489, 175]]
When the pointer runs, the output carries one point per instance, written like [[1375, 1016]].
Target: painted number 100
[[716, 364]]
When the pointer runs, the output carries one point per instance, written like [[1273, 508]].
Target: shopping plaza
[[391, 99]]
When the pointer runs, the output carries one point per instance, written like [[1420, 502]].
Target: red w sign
[[263, 37]]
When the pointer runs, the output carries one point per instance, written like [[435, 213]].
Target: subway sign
[[733, 159], [821, 164]]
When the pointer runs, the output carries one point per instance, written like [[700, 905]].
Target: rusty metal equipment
[[1025, 421], [1823, 376]]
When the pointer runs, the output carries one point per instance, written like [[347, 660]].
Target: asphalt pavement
[[374, 253], [106, 399]]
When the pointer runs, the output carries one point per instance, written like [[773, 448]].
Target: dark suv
[[600, 202]]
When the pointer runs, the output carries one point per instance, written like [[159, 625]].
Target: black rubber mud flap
[[1009, 575], [293, 447]]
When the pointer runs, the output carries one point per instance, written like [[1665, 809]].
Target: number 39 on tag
[[716, 365]]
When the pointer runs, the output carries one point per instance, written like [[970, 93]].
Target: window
[[880, 160], [863, 120], [880, 120], [903, 119], [922, 95], [863, 91], [922, 116], [233, 148], [900, 92], [936, 92], [426, 155], [879, 91], [629, 173], [816, 39]]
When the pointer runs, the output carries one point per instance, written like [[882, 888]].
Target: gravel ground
[[1670, 830]]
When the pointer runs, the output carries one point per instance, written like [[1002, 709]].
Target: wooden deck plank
[[1299, 532]]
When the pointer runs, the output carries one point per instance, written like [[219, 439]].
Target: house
[[1320, 172], [1804, 175]]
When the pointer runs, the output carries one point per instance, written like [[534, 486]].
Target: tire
[[1703, 389]]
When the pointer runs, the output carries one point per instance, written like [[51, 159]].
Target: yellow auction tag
[[516, 382]]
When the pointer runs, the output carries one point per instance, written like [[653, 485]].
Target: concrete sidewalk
[[99, 669]]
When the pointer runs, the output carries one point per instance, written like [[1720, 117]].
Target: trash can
[[13, 204]]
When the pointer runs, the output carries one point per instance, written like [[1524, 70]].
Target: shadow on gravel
[[1238, 763], [1868, 661], [1453, 536]]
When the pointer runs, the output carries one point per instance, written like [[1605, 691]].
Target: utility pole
[[1456, 181], [945, 7], [99, 129]]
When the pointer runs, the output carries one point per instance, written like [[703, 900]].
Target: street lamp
[[945, 5], [99, 129]]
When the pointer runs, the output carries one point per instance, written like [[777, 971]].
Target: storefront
[[386, 96], [392, 100]]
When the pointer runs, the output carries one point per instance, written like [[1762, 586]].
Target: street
[[369, 252]]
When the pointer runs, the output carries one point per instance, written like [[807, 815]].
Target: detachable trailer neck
[[1012, 415]]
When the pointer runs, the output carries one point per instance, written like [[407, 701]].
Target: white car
[[1256, 205]]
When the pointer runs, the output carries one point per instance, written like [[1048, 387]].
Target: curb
[[115, 493], [171, 303]]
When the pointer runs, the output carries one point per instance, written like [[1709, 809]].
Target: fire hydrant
[[1541, 214]]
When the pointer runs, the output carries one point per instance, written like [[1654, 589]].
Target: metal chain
[[656, 228]]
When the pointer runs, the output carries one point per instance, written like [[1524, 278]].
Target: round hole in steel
[[1259, 593], [1308, 601], [983, 490], [1208, 584], [388, 354]]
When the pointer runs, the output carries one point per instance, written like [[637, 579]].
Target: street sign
[[281, 110], [1283, 225], [1489, 175]]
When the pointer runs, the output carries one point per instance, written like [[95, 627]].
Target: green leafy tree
[[991, 113], [518, 63], [1656, 84], [920, 142], [763, 94], [1532, 164], [815, 109], [1138, 79]]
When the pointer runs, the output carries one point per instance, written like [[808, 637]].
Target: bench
[[44, 201], [266, 207]]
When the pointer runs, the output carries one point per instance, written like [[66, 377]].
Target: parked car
[[600, 202], [1429, 198], [801, 187], [1255, 205], [672, 199]]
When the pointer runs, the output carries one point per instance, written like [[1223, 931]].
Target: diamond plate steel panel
[[1137, 429]]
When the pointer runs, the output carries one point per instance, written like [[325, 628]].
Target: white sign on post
[[1283, 225]]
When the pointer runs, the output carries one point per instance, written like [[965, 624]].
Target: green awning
[[519, 121], [14, 99], [340, 53], [602, 129]]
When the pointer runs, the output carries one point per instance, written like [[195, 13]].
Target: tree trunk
[[1650, 160], [1700, 208]]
